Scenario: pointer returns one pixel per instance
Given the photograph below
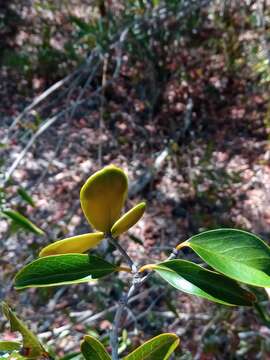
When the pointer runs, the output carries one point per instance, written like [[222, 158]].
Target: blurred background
[[176, 93]]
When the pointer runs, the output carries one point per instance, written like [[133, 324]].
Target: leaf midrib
[[82, 272], [205, 295], [234, 261], [152, 351], [226, 257]]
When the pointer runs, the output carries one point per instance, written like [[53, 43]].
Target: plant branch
[[138, 279], [45, 125], [40, 98], [129, 261]]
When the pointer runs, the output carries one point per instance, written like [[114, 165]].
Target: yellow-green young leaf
[[31, 345], [128, 219], [22, 221], [9, 346], [75, 244], [102, 197], [158, 348], [64, 269], [237, 254], [92, 349], [195, 280]]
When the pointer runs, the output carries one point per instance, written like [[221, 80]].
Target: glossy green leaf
[[235, 253], [92, 349], [128, 220], [30, 341], [8, 346], [22, 221], [62, 270], [75, 244], [102, 197], [26, 197], [158, 348], [194, 279]]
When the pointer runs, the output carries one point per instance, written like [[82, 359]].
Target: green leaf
[[82, 25], [31, 344], [62, 270], [235, 253], [158, 348], [26, 197], [22, 221], [195, 280], [92, 349], [9, 345]]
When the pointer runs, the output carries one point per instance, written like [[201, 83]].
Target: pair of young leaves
[[102, 199], [158, 348]]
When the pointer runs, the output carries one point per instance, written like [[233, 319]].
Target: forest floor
[[215, 173]]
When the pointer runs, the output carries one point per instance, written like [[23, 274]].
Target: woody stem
[[138, 279], [129, 261]]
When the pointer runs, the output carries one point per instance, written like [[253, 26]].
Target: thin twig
[[205, 330], [150, 307], [123, 253], [40, 131], [89, 318], [119, 50], [52, 89], [101, 123], [40, 98], [84, 88], [138, 279]]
